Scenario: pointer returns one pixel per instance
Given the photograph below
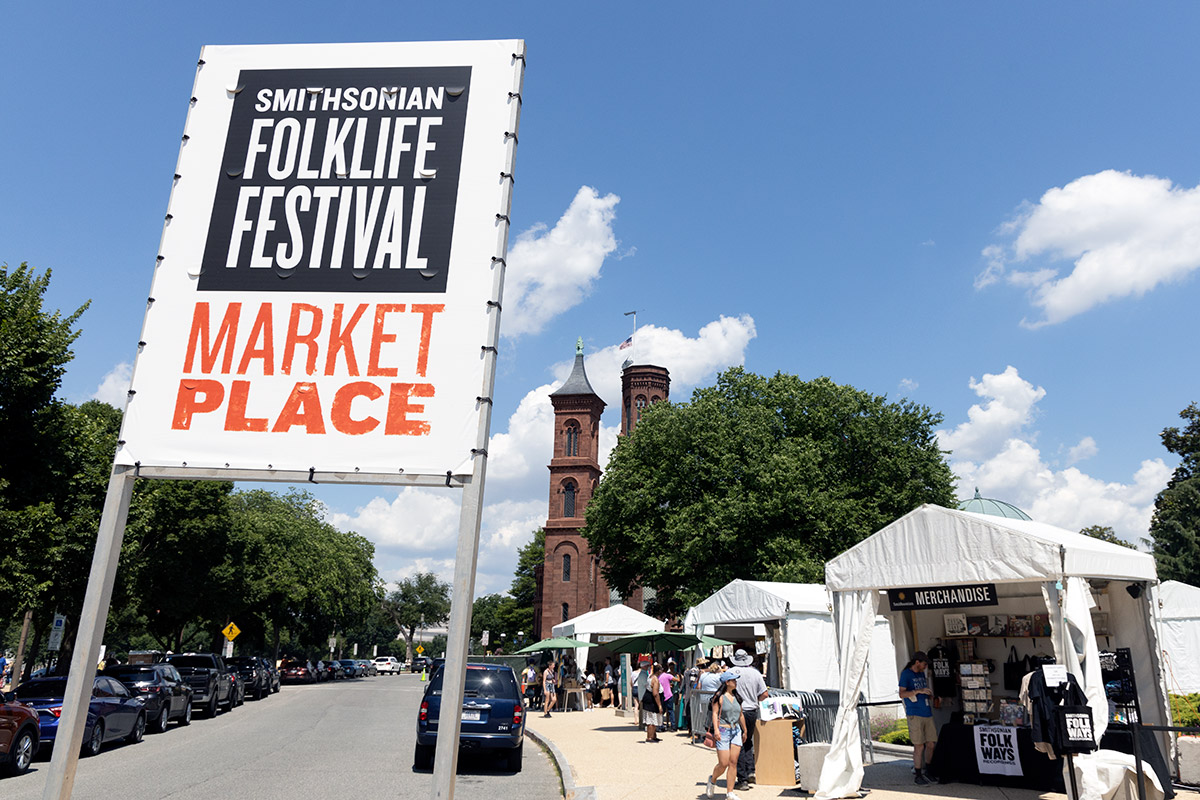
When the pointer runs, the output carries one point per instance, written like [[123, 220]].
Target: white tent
[[603, 625], [804, 655], [1036, 568], [1179, 627]]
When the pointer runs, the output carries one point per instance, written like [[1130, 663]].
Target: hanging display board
[[996, 750], [321, 295], [972, 595]]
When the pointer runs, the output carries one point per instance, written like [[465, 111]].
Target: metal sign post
[[60, 778]]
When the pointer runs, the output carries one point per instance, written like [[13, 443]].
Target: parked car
[[368, 667], [211, 680], [493, 715], [353, 668], [388, 665], [164, 690], [333, 671], [422, 663], [113, 712], [254, 677], [239, 687], [297, 670], [19, 736], [272, 673]]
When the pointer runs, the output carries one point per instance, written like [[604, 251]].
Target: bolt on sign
[[322, 291]]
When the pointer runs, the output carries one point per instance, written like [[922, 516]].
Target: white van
[[387, 665]]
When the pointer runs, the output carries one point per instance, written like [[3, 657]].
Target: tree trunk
[[34, 649], [276, 648], [19, 663]]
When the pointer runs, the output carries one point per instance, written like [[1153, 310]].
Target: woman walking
[[730, 728], [652, 705], [549, 688]]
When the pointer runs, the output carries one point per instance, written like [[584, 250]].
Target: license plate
[[471, 715]]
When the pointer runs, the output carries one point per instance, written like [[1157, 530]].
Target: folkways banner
[[996, 750], [978, 594], [321, 294]]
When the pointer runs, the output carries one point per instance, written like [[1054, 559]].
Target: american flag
[[627, 343]]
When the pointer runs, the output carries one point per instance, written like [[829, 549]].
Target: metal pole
[[454, 675], [60, 778]]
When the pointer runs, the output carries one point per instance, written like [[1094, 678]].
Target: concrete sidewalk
[[602, 756]]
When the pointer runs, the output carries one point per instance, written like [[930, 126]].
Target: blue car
[[493, 716], [113, 713]]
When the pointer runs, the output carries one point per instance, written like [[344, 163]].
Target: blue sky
[[989, 209]]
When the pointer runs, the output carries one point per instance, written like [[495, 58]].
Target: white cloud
[[997, 454], [1009, 409], [551, 270], [908, 385], [417, 529], [1125, 233], [1082, 451], [114, 386]]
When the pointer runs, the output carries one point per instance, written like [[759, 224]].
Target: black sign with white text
[[972, 595], [338, 180]]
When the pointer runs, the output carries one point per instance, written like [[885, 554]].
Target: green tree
[[524, 586], [758, 478], [421, 601], [1106, 534], [1175, 528]]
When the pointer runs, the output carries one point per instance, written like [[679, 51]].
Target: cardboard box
[[774, 753]]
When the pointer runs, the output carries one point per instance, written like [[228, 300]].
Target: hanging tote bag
[[1075, 732], [1014, 670]]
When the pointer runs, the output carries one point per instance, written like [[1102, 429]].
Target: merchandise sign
[[971, 595], [323, 290], [996, 750]]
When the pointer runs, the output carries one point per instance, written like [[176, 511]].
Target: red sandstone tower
[[570, 583]]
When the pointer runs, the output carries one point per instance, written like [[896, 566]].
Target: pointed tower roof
[[577, 381]]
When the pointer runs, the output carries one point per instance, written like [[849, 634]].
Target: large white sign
[[996, 750], [321, 297]]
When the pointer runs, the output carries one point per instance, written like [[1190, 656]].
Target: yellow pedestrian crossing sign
[[420, 649], [231, 631]]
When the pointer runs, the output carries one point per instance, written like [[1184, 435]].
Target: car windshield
[[243, 661], [346, 663], [487, 683], [191, 661], [292, 664], [54, 687], [131, 673]]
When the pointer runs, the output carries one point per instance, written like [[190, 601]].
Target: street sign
[[356, 649], [483, 640], [56, 632], [420, 649], [332, 643], [231, 631], [228, 651]]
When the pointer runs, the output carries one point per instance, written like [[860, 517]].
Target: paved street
[[350, 739]]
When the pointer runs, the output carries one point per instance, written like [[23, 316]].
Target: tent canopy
[[1179, 600], [755, 601], [1179, 620], [614, 619], [936, 546]]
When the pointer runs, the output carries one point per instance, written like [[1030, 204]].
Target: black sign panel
[[338, 180], [972, 595]]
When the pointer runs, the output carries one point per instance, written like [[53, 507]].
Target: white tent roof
[[934, 545], [614, 619], [755, 601], [1179, 600]]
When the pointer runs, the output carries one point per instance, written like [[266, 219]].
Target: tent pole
[[912, 619]]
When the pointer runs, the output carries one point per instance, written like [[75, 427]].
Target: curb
[[570, 790]]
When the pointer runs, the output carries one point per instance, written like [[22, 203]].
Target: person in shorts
[[729, 732], [916, 693]]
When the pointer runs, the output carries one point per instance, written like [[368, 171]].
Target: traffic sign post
[[231, 631]]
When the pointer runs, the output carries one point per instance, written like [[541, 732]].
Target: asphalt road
[[349, 739]]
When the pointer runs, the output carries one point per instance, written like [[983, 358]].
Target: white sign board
[[321, 296], [227, 649], [56, 632], [996, 750]]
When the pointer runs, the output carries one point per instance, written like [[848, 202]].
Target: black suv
[[209, 677], [166, 693], [250, 671]]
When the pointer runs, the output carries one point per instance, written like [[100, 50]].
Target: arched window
[[641, 404], [566, 612], [566, 568], [572, 444], [628, 418], [569, 499]]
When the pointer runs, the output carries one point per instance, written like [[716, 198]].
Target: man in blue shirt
[[916, 693]]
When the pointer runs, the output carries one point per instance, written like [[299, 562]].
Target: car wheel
[[20, 753], [241, 696], [211, 711], [164, 719], [258, 692], [139, 730], [423, 756], [186, 719], [92, 746], [514, 758]]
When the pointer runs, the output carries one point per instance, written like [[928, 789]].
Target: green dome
[[996, 508]]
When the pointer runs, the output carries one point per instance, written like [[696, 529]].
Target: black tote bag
[[1014, 670]]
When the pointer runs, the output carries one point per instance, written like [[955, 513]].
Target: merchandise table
[[954, 759]]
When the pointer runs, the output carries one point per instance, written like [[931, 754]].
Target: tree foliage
[[758, 478], [1175, 527], [1106, 534], [421, 601]]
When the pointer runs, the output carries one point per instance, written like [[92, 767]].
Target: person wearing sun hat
[[729, 733], [751, 688]]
